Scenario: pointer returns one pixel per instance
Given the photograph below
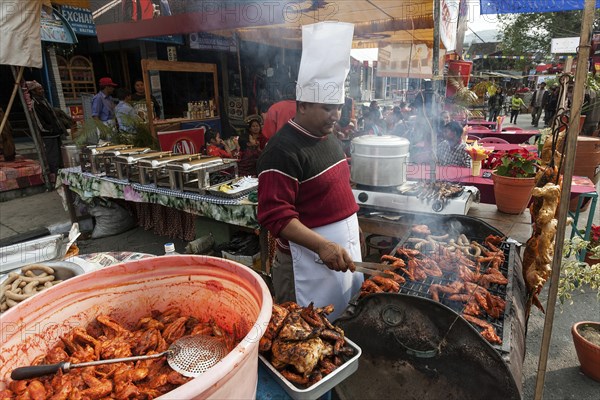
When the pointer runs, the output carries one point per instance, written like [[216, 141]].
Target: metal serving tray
[[110, 158], [214, 189], [126, 165], [30, 252], [324, 385], [152, 170], [195, 175]]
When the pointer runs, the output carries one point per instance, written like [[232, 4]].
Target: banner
[[135, 19], [530, 6], [460, 70], [21, 42], [449, 24], [407, 61]]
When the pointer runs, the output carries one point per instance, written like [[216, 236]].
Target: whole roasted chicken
[[302, 344]]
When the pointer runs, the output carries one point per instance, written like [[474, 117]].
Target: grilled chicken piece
[[296, 328], [278, 315], [303, 355]]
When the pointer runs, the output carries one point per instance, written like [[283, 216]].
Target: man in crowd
[[451, 151], [103, 105], [49, 126], [538, 103], [304, 181]]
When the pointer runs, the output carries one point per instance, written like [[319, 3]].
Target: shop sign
[[170, 39], [207, 41], [53, 29], [80, 19], [77, 115], [408, 61], [185, 141], [171, 53]]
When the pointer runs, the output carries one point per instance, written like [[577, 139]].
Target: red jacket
[[277, 116]]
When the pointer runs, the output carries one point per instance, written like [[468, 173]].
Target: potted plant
[[514, 178], [574, 275]]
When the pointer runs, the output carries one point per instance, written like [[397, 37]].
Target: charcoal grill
[[415, 348], [510, 327]]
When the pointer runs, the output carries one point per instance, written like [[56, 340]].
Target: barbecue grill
[[415, 348], [510, 327], [393, 199]]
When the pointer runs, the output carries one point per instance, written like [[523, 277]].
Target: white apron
[[316, 283]]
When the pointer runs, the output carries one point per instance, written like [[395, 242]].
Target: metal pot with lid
[[379, 160]]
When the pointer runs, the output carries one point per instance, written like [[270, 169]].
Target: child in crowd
[[214, 144], [249, 152]]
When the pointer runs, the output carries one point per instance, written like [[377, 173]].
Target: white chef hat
[[325, 62]]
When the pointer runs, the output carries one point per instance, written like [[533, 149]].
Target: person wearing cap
[[103, 105], [304, 193], [49, 125]]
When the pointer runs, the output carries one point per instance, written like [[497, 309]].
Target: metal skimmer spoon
[[189, 355]]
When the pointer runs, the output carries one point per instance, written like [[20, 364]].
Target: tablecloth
[[239, 212]]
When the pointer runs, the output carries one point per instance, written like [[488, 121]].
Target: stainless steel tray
[[324, 385], [214, 190], [30, 252]]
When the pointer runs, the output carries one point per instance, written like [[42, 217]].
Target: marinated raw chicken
[[107, 338]]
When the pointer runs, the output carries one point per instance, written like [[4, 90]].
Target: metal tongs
[[373, 269]]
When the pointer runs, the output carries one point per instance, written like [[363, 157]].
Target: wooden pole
[[12, 97], [435, 69], [238, 44], [570, 147], [35, 134]]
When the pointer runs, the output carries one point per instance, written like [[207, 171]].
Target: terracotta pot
[[512, 194], [587, 352]]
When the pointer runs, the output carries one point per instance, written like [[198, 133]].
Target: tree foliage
[[531, 34]]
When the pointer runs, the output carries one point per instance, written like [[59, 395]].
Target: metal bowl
[[63, 270]]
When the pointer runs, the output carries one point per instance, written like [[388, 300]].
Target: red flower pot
[[587, 352], [512, 194]]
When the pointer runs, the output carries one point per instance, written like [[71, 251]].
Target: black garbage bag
[[241, 243]]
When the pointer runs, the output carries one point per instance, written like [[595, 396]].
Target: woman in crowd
[[254, 129], [451, 151]]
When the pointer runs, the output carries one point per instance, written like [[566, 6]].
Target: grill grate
[[502, 325]]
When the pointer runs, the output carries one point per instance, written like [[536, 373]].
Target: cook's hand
[[335, 257]]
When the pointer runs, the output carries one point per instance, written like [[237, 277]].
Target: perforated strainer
[[190, 356]]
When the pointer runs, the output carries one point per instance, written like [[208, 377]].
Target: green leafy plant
[[93, 130], [575, 274], [518, 163]]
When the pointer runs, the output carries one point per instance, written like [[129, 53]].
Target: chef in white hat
[[304, 193]]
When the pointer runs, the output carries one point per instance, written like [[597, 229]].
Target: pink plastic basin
[[204, 287]]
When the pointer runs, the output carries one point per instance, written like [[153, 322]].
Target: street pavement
[[563, 379]]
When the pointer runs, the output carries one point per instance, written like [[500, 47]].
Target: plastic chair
[[512, 128], [492, 140], [472, 138]]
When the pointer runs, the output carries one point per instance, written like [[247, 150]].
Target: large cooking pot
[[379, 160], [229, 293]]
